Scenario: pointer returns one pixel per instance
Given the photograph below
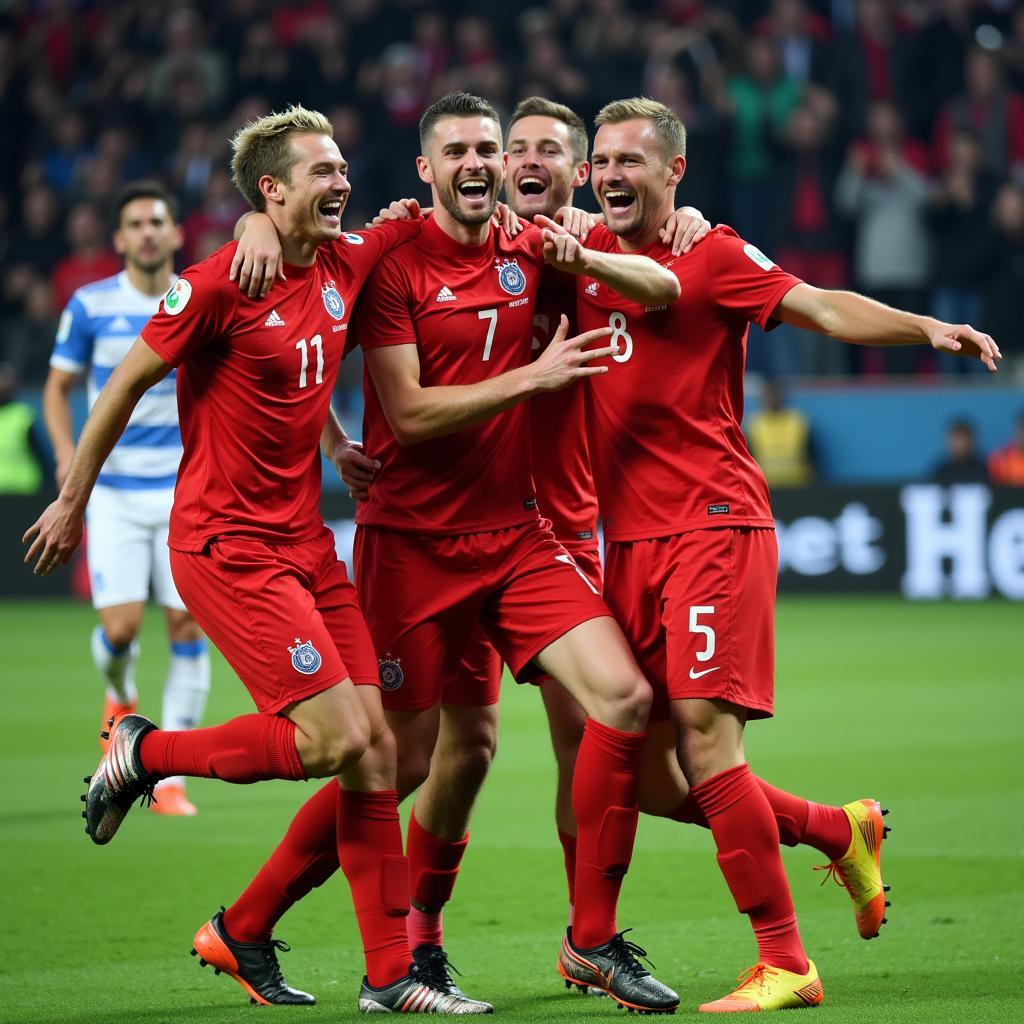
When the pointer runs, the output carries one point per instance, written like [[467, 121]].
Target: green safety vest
[[19, 468]]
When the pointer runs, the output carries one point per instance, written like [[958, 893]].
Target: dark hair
[[455, 104], [145, 189], [961, 426], [538, 106]]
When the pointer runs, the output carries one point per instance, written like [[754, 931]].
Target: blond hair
[[670, 131], [539, 106], [264, 147]]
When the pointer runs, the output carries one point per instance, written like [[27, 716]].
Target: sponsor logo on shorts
[[703, 672], [389, 668], [718, 510], [510, 277], [530, 504], [305, 657], [584, 534]]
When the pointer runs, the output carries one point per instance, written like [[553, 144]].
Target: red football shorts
[[285, 616], [698, 609], [427, 599]]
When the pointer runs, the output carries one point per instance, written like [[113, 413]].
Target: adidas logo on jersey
[[591, 288], [121, 325], [446, 295], [273, 320]]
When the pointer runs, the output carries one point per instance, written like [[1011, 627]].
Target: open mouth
[[619, 199], [532, 186], [474, 188], [330, 210]]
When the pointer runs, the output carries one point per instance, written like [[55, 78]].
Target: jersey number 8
[[617, 322]]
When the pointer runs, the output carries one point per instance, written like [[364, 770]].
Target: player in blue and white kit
[[128, 512]]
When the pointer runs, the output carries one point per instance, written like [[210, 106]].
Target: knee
[[473, 759], [335, 752], [120, 632], [413, 769], [630, 706]]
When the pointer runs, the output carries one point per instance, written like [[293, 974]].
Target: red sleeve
[[600, 239], [742, 280], [383, 314], [369, 246], [195, 311]]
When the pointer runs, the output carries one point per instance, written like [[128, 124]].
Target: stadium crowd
[[874, 144]]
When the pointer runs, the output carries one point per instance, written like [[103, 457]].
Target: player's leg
[[718, 609], [119, 558]]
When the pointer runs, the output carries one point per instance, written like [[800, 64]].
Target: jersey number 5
[[318, 343]]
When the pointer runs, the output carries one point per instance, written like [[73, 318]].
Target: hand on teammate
[[562, 250], [258, 260], [964, 340], [684, 229], [53, 537], [577, 222], [400, 209], [565, 361], [355, 468]]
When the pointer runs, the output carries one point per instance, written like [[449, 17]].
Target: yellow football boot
[[860, 868], [763, 987]]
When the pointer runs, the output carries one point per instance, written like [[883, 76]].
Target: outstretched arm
[[855, 318], [58, 531], [416, 413]]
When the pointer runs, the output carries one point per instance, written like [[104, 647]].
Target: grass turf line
[[919, 705]]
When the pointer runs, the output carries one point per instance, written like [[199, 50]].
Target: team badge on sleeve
[[352, 238], [333, 302], [511, 278], [758, 257], [390, 670], [177, 297], [305, 657]]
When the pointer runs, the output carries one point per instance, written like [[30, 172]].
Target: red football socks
[[604, 802], [569, 856], [800, 822], [370, 853], [747, 838], [305, 858], [433, 868], [250, 748]]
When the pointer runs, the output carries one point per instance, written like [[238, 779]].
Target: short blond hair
[[671, 132], [264, 147]]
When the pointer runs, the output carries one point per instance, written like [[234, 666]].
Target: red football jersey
[[666, 444], [254, 385], [561, 455], [469, 311]]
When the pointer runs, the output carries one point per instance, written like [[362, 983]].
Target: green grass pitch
[[920, 705]]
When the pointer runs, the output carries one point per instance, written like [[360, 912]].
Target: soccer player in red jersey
[[255, 563], [691, 559], [450, 537]]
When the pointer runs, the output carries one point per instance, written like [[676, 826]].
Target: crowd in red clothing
[[874, 144]]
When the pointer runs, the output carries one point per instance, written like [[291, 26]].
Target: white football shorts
[[126, 544]]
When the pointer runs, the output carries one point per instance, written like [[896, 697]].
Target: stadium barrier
[[923, 541]]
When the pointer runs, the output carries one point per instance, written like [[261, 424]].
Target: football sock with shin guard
[[433, 867]]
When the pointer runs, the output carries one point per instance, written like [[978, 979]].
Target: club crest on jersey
[[177, 297], [352, 238], [390, 671], [333, 302], [305, 657], [510, 277]]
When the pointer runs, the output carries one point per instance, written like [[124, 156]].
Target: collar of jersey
[[439, 240]]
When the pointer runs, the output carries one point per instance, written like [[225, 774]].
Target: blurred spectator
[[801, 36], [1013, 50], [877, 61], [35, 244], [962, 463], [63, 162], [90, 257], [263, 65], [989, 109], [808, 238], [759, 102], [187, 59], [780, 440], [214, 219], [21, 450], [962, 238], [884, 189], [1004, 292], [28, 338], [1006, 464]]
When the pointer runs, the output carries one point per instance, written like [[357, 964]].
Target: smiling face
[[146, 234], [313, 199], [634, 183], [542, 170], [464, 166]]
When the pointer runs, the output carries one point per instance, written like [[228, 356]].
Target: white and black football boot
[[413, 994], [435, 967], [119, 779]]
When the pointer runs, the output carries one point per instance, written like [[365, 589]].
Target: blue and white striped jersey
[[97, 328]]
